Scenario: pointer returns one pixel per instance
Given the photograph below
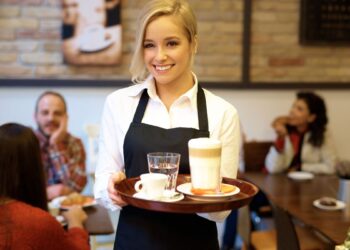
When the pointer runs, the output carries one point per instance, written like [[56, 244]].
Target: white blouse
[[118, 113], [318, 160]]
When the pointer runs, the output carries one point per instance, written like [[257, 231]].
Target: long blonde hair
[[151, 11]]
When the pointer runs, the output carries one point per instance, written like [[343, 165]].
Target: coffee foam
[[204, 143]]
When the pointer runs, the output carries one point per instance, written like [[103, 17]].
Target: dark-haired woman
[[303, 142], [24, 220]]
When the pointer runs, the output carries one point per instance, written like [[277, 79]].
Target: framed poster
[[91, 32], [325, 22]]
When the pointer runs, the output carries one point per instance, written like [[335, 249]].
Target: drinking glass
[[165, 163]]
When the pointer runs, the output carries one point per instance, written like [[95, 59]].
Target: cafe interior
[[255, 54]]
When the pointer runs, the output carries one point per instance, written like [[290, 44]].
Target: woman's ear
[[195, 44], [311, 118]]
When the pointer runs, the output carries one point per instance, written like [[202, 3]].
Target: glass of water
[[165, 163]]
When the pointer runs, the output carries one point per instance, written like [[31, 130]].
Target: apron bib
[[140, 229]]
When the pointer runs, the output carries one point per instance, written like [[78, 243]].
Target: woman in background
[[24, 220], [303, 142], [162, 112]]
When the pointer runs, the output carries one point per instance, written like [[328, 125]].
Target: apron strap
[[141, 107], [202, 110], [201, 107]]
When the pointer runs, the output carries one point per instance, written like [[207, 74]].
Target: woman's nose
[[161, 55]]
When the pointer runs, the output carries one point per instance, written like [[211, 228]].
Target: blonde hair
[[151, 11]]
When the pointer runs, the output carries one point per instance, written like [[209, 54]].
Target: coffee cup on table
[[152, 185], [205, 162]]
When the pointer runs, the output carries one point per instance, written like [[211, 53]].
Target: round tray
[[188, 205]]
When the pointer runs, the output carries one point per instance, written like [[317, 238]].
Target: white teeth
[[163, 67]]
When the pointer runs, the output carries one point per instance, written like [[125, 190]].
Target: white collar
[[149, 84]]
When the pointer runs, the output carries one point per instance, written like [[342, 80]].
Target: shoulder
[[125, 94], [218, 104], [73, 140], [31, 217]]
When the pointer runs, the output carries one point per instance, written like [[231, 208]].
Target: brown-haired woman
[[24, 221]]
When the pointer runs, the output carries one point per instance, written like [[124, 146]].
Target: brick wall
[[277, 55], [30, 43]]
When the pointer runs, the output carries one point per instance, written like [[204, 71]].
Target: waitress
[[163, 110]]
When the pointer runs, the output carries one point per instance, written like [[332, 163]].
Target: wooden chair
[[254, 154], [286, 235]]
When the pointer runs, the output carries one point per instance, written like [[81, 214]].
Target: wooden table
[[297, 197], [98, 221]]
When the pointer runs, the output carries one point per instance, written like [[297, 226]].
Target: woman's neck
[[302, 128], [168, 93]]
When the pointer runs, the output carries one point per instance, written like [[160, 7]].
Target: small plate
[[176, 197], [186, 189], [56, 203], [301, 176], [61, 220], [339, 205]]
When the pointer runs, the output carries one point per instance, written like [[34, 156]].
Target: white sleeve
[[215, 216], [278, 162], [328, 158], [110, 159], [228, 132]]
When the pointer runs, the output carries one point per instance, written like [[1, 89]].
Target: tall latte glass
[[205, 162]]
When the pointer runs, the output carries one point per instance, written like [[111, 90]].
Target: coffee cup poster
[[91, 32]]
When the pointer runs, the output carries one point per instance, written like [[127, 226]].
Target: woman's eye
[[148, 45], [172, 43]]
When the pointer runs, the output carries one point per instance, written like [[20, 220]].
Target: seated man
[[63, 155]]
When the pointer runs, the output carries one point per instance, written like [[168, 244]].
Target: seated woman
[[303, 142], [24, 221]]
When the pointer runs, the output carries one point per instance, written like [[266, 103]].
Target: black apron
[[140, 229]]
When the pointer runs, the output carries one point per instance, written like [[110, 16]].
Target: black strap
[[202, 110], [201, 107], [141, 107]]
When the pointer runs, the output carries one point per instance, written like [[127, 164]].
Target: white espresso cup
[[205, 162], [153, 185]]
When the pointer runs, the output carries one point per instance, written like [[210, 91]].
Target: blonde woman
[[162, 112]]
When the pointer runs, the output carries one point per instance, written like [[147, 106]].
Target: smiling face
[[168, 52], [300, 116], [49, 114]]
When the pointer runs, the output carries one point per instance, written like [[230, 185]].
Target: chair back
[[287, 238], [255, 153]]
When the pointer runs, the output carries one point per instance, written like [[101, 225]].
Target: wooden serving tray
[[188, 205]]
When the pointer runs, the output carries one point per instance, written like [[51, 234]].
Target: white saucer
[[176, 197], [89, 48], [186, 189], [301, 176], [61, 220], [339, 205]]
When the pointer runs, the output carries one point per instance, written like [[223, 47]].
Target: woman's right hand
[[280, 125], [75, 216], [114, 179]]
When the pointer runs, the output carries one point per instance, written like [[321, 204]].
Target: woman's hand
[[280, 125], [112, 192], [75, 216]]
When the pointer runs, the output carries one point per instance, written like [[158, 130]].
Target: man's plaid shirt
[[64, 163]]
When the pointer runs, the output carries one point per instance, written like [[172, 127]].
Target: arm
[[110, 166], [75, 238], [228, 132], [278, 159]]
